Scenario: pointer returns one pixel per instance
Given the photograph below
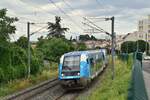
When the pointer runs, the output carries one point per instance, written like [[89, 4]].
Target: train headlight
[[62, 75], [78, 74]]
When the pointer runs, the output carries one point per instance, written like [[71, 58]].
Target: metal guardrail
[[137, 89]]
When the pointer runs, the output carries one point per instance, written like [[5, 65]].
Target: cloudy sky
[[126, 13]]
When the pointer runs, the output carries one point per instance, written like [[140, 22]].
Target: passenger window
[[91, 61], [87, 61]]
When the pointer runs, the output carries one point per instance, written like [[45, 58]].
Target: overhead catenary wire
[[62, 11], [69, 6], [39, 30], [91, 17], [97, 27]]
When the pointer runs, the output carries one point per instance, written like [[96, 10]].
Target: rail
[[29, 92]]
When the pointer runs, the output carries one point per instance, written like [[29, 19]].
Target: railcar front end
[[74, 69]]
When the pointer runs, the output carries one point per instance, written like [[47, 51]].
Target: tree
[[128, 47], [6, 27], [93, 38], [55, 29], [131, 46], [142, 45], [22, 42], [81, 46], [53, 48], [84, 37]]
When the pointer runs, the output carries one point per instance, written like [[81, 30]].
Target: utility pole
[[29, 53], [29, 45], [112, 35], [113, 47], [146, 44]]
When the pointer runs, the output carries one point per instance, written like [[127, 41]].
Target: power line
[[102, 5], [65, 14], [67, 5], [39, 30], [97, 27]]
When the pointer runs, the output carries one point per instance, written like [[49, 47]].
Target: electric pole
[[112, 35], [113, 47], [29, 53]]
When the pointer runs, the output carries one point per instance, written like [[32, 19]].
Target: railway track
[[48, 90], [33, 91], [73, 94]]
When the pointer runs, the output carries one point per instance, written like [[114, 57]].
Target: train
[[79, 68]]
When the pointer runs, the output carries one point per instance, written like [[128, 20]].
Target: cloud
[[126, 12]]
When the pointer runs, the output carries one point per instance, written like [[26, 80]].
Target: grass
[[20, 84], [116, 89]]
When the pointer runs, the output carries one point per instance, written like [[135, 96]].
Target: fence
[[137, 89]]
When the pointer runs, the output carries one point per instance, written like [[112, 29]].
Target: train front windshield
[[71, 63]]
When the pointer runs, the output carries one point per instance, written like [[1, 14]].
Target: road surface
[[146, 73]]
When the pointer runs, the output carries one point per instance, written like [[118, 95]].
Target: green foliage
[[141, 45], [55, 29], [13, 63], [131, 46], [86, 37], [81, 46], [22, 42], [53, 48], [128, 47], [6, 27], [13, 59]]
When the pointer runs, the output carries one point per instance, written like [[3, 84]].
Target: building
[[144, 26], [137, 35], [143, 33], [97, 43]]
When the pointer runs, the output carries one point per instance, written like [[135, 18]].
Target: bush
[[53, 48], [13, 63]]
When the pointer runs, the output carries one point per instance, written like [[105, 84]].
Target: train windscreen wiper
[[67, 67]]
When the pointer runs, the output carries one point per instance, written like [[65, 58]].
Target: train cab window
[[71, 63]]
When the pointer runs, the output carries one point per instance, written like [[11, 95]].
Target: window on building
[[148, 31], [140, 28]]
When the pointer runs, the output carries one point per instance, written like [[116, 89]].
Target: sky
[[126, 13]]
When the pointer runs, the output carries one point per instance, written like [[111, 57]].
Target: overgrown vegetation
[[17, 85], [13, 57]]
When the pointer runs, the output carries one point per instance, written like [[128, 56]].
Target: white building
[[144, 26]]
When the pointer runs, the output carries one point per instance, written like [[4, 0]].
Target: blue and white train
[[80, 67]]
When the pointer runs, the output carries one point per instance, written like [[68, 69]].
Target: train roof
[[82, 52]]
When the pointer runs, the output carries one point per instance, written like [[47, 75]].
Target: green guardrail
[[137, 89]]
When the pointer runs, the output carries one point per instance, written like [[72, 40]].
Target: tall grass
[[20, 84]]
